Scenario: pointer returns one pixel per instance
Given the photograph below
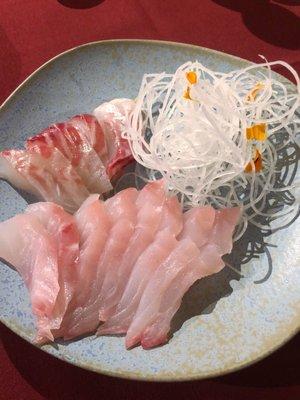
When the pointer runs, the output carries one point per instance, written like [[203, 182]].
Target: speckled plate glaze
[[225, 322]]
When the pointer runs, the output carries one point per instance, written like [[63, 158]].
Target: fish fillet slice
[[145, 266], [73, 144], [50, 174], [94, 224], [9, 171], [122, 205], [184, 252], [62, 228], [198, 224], [90, 128], [111, 116], [156, 332], [25, 244], [225, 223], [149, 205], [170, 226], [88, 318], [121, 209], [209, 261]]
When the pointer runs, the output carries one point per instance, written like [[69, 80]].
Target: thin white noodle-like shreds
[[199, 145]]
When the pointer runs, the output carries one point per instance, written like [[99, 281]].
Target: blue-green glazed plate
[[225, 322]]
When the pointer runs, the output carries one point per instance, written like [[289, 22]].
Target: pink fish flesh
[[94, 225], [111, 116], [170, 226], [209, 261], [70, 138], [150, 205], [25, 244], [80, 152], [48, 175], [62, 227], [127, 261], [184, 252]]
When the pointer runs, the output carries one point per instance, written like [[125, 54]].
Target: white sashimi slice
[[207, 225], [9, 173], [170, 226], [50, 174], [25, 244], [157, 331], [94, 143], [62, 228], [149, 205], [145, 266], [94, 224], [90, 128], [88, 318], [111, 117], [209, 261], [56, 179], [122, 205], [172, 218], [72, 143], [226, 220], [122, 212], [198, 224], [184, 252]]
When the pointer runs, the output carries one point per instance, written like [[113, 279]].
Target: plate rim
[[133, 375], [107, 41]]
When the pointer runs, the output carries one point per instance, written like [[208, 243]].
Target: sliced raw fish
[[73, 144], [145, 266], [172, 218], [127, 261], [157, 331], [88, 318], [94, 224], [198, 224], [149, 205], [111, 117], [49, 174], [90, 128], [62, 227], [224, 225], [25, 244], [122, 205], [122, 212], [184, 252], [9, 171], [85, 152], [170, 226], [209, 261]]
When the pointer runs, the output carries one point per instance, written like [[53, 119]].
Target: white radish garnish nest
[[216, 137]]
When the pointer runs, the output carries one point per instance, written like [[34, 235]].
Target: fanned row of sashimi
[[68, 161], [120, 266]]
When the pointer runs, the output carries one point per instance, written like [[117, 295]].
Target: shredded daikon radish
[[190, 128]]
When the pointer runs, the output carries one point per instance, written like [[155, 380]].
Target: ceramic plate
[[225, 322]]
